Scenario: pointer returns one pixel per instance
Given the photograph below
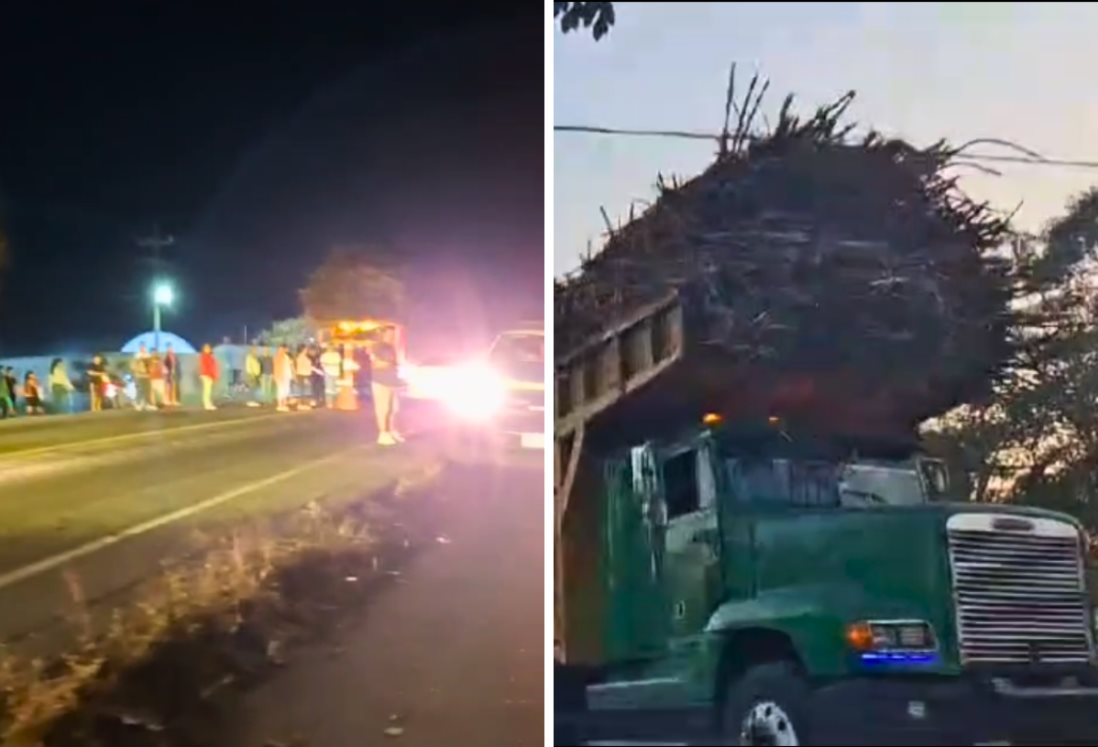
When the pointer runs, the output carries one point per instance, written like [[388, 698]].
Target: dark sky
[[260, 140]]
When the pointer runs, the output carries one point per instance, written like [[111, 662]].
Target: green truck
[[720, 581]]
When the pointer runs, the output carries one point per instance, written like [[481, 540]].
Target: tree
[[1035, 441], [598, 17], [291, 332], [354, 283]]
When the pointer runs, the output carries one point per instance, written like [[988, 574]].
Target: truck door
[[691, 578], [637, 619]]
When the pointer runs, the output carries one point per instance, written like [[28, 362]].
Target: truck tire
[[767, 705]]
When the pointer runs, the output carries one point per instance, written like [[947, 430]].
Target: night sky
[[259, 141]]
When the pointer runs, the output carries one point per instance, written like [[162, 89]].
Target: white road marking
[[27, 469], [21, 453], [55, 561]]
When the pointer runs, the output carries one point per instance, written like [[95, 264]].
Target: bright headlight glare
[[476, 392]]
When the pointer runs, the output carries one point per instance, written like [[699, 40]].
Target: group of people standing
[[31, 393], [316, 375], [312, 374], [33, 398], [155, 377]]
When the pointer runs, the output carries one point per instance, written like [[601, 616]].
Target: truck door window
[[680, 481]]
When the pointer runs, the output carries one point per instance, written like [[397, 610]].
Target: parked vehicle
[[498, 396]]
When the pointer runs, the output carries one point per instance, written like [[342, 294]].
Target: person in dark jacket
[[13, 385], [363, 371], [316, 377], [7, 398], [266, 376], [171, 377], [97, 383], [384, 385]]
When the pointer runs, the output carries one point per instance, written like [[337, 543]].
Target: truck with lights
[[497, 396], [359, 334], [517, 358], [728, 580]]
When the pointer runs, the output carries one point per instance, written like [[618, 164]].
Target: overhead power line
[[1034, 160]]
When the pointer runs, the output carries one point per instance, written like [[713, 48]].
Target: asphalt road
[[91, 504], [453, 653]]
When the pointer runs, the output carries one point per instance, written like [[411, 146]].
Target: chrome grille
[[1020, 595]]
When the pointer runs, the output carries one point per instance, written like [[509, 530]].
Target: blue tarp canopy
[[179, 345]]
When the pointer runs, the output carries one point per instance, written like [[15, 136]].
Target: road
[[453, 654], [93, 503]]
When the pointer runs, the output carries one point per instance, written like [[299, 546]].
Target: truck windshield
[[520, 357], [880, 485]]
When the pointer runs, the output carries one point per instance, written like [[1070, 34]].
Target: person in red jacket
[[207, 371]]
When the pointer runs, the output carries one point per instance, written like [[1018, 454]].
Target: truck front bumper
[[955, 711], [523, 427]]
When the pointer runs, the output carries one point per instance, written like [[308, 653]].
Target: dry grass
[[192, 630]]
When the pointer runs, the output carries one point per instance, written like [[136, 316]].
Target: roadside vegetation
[[161, 671]]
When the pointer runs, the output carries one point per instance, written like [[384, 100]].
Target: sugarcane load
[[751, 545], [821, 272]]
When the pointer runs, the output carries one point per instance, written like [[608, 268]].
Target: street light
[[162, 296]]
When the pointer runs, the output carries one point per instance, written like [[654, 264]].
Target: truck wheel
[[767, 705]]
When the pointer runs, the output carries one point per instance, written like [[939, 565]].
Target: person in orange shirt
[[32, 394], [157, 384]]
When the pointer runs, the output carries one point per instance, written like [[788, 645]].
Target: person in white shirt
[[331, 362]]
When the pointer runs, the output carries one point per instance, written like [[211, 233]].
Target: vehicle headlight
[[892, 640], [476, 392]]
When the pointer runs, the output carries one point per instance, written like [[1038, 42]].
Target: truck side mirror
[[935, 477]]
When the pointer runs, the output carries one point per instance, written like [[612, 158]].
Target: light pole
[[162, 295]]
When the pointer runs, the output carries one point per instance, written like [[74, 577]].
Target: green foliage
[[1035, 441], [598, 17], [354, 283], [290, 332], [1070, 239]]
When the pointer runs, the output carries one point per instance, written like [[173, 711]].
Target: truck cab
[[753, 583], [755, 595]]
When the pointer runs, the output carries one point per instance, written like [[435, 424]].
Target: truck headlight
[[892, 640], [476, 392]]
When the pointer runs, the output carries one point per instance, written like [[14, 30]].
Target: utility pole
[[156, 243], [161, 291]]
